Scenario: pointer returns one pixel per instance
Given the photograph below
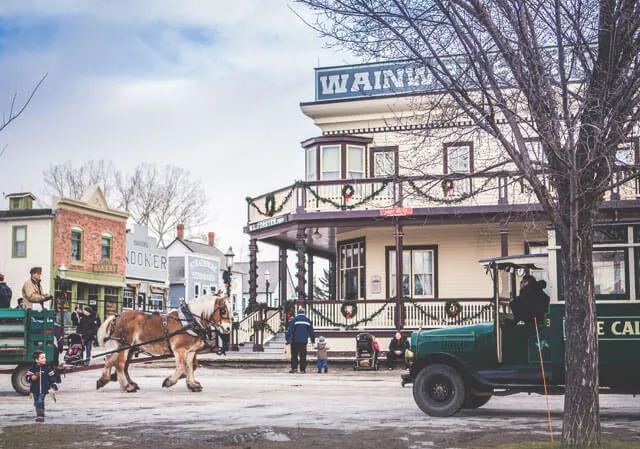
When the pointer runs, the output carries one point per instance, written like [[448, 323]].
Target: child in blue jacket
[[42, 378]]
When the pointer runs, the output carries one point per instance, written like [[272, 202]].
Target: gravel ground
[[269, 408]]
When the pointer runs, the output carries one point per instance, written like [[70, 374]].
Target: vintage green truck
[[461, 367], [21, 333]]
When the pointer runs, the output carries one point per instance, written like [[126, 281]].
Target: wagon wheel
[[18, 380], [439, 390]]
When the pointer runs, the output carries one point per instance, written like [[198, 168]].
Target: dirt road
[[269, 408]]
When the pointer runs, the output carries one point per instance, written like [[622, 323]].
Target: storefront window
[[111, 296], [128, 298], [156, 300]]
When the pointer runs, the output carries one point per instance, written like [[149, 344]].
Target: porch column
[[504, 239], [282, 276], [399, 315], [332, 280], [310, 277], [301, 246], [253, 275]]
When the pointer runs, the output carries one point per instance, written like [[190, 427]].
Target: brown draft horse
[[182, 334]]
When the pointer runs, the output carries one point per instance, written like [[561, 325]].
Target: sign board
[[203, 272], [144, 259], [267, 223], [105, 266], [396, 211]]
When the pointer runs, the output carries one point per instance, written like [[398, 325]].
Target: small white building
[[26, 236]]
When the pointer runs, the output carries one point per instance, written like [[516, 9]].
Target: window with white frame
[[106, 246], [458, 159], [128, 296], [355, 162], [384, 163], [76, 245], [311, 165], [330, 162], [418, 272], [352, 269], [19, 247], [156, 300], [610, 272]]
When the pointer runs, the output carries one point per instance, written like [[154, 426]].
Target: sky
[[213, 86]]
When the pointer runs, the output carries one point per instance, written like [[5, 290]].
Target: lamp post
[[267, 280], [227, 274], [59, 302]]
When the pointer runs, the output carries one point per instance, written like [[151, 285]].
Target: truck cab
[[464, 366]]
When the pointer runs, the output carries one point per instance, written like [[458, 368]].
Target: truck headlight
[[408, 355]]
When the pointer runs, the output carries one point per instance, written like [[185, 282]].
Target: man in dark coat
[[300, 329], [532, 302], [5, 293], [88, 328]]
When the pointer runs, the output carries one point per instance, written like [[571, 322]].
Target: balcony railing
[[410, 192], [380, 314]]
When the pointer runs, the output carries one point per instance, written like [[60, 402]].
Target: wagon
[[21, 333]]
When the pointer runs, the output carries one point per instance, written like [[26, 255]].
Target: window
[[128, 298], [92, 295], [330, 163], [535, 152], [355, 162], [106, 246], [311, 164], [156, 300], [111, 295], [196, 290], [19, 246], [418, 272], [609, 272], [352, 270], [76, 245], [459, 159], [535, 248], [15, 203], [383, 162]]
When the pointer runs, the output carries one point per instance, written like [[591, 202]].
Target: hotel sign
[[267, 223], [396, 211]]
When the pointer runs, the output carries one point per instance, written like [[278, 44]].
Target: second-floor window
[[459, 159], [106, 246], [76, 245], [311, 165], [19, 247], [330, 161], [355, 162]]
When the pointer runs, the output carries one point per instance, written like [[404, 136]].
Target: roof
[[200, 248], [25, 213], [20, 195]]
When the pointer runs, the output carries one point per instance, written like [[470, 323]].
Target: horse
[[182, 333]]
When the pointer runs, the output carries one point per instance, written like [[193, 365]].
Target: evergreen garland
[[337, 205], [457, 320], [348, 326], [270, 208], [458, 199]]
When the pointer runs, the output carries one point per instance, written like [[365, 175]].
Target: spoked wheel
[[439, 390]]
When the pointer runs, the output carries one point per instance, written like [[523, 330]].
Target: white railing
[[380, 314], [245, 329], [273, 323]]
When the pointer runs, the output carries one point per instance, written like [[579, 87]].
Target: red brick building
[[90, 242]]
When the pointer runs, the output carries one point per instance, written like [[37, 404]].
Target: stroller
[[75, 349], [366, 353]]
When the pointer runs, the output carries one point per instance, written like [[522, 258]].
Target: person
[[396, 350], [42, 379], [322, 355], [532, 302], [88, 328], [32, 291], [5, 293], [76, 315], [298, 334], [20, 304]]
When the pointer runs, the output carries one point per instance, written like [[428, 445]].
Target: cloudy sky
[[213, 86]]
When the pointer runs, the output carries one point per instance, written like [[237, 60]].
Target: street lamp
[[267, 280], [227, 274]]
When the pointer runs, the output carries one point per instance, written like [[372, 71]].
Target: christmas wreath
[[349, 308], [452, 309], [447, 186], [347, 192], [269, 205]]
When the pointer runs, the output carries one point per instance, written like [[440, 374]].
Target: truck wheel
[[439, 390], [18, 381], [475, 401]]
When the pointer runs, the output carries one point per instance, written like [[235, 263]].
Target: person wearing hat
[[322, 355], [5, 293], [298, 334], [88, 328], [32, 291], [532, 302]]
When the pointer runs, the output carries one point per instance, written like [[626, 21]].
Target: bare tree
[[567, 73], [157, 197], [15, 110]]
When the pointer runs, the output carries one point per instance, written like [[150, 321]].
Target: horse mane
[[204, 306]]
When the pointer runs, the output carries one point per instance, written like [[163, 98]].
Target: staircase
[[273, 347]]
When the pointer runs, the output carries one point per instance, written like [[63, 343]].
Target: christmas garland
[[347, 326], [383, 186], [457, 320], [349, 308], [457, 199], [270, 208]]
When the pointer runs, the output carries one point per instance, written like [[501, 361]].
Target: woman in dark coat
[[88, 328], [397, 347]]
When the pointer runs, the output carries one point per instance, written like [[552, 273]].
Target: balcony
[[462, 191]]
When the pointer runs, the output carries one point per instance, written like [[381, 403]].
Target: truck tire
[[475, 401], [18, 381], [439, 390]]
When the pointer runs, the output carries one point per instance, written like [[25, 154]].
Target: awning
[[95, 282]]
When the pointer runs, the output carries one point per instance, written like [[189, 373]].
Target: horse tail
[[105, 331]]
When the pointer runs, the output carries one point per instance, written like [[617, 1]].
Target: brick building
[[90, 241]]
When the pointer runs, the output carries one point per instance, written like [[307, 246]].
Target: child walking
[[323, 355], [42, 378]]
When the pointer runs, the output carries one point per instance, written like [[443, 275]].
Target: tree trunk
[[581, 419]]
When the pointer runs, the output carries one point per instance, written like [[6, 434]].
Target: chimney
[[181, 231], [212, 238]]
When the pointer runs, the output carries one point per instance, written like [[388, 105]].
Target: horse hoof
[[100, 383], [130, 389], [195, 389], [166, 383], [114, 377], [135, 385]]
